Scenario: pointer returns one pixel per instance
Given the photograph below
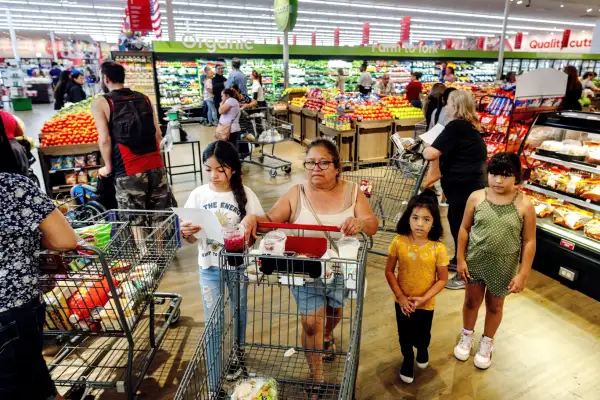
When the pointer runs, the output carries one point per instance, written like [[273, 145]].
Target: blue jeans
[[212, 111], [210, 283]]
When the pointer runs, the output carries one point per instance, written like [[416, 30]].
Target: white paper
[[432, 134], [211, 228]]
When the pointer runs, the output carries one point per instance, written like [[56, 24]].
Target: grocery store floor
[[548, 346]]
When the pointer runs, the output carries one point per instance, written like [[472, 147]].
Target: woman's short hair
[[464, 107], [331, 148], [505, 164]]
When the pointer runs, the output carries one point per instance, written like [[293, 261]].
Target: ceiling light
[[589, 10], [562, 5], [520, 2]]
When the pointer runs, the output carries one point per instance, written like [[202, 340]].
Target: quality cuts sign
[[576, 42]]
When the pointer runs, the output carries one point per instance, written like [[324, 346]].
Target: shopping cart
[[101, 299], [273, 344], [260, 128], [388, 186]]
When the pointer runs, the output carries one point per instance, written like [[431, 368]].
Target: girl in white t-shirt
[[231, 202], [258, 93]]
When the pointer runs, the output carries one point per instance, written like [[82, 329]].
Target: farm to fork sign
[[286, 12]]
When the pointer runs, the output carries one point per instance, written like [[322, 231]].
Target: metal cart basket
[[260, 128], [101, 299], [388, 186], [273, 343]]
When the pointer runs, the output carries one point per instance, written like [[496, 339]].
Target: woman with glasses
[[323, 199]]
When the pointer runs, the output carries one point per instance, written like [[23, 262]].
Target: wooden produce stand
[[373, 140], [406, 127], [55, 179], [310, 125], [345, 141], [295, 118]]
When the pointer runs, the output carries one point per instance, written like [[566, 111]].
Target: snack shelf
[[574, 200], [568, 164], [578, 237], [76, 169]]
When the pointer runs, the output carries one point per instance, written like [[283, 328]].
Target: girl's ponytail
[[226, 154]]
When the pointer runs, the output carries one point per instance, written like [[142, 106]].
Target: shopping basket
[[101, 299], [273, 344], [260, 128], [388, 186]]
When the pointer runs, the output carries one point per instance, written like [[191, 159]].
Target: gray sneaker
[[455, 283]]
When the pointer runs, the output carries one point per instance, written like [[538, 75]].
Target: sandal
[[329, 345], [315, 392]]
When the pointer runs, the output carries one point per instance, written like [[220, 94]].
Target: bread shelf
[[577, 237], [568, 164], [573, 200]]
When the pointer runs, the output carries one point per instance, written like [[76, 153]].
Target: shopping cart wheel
[[273, 173], [176, 315], [287, 169]]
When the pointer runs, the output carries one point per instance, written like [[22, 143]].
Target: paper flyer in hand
[[432, 134], [211, 228]]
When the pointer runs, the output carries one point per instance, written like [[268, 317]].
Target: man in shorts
[[129, 138]]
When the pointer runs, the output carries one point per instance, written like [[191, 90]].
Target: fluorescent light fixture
[[520, 2], [589, 10], [562, 6]]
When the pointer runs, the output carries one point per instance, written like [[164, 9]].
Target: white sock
[[467, 332]]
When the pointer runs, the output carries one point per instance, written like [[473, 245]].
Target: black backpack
[[132, 121]]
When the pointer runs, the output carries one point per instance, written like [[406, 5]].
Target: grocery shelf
[[75, 169], [568, 164], [573, 200], [577, 237]]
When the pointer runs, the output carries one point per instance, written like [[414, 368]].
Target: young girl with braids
[[230, 201]]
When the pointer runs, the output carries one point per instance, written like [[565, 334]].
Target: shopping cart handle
[[277, 225]]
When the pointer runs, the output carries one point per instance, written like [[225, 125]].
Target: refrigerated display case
[[139, 72], [179, 84], [561, 154]]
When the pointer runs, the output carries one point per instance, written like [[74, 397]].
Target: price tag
[[567, 245], [552, 181]]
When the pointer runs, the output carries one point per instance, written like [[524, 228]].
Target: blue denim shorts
[[317, 295]]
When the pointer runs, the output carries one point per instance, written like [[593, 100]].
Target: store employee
[[236, 76], [384, 86]]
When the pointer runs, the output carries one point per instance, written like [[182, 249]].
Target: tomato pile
[[70, 129]]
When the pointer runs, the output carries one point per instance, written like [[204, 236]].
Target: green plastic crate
[[23, 104]]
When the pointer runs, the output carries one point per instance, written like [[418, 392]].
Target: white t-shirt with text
[[224, 206]]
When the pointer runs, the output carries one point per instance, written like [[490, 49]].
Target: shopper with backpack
[[129, 137]]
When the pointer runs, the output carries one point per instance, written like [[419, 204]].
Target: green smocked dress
[[495, 244]]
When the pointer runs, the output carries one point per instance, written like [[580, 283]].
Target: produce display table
[[295, 117], [373, 140], [406, 127], [281, 114], [310, 124], [345, 141], [55, 179]]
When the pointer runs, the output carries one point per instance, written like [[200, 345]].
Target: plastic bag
[[98, 235], [256, 389], [173, 135]]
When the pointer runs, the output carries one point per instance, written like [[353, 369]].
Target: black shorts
[[23, 371]]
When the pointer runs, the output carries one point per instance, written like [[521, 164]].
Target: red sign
[[480, 42], [314, 38], [518, 40], [565, 38], [336, 37], [366, 33], [294, 40], [140, 15], [405, 29], [449, 44], [278, 40], [566, 244]]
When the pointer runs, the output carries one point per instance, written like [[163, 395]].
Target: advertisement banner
[[518, 40], [448, 43], [140, 15], [366, 33], [286, 13], [405, 29], [480, 43], [565, 39], [294, 40], [336, 37], [313, 38], [576, 42]]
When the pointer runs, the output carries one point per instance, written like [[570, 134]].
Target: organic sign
[[286, 12]]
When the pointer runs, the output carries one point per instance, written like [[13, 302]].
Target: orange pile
[[70, 129]]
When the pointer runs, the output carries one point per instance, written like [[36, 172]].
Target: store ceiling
[[252, 19]]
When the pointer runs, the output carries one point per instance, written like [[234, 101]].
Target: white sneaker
[[462, 350], [483, 357]]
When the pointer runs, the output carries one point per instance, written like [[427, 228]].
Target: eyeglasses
[[323, 165]]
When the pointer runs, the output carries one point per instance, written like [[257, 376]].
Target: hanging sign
[[278, 40], [480, 43], [518, 40], [405, 29], [565, 39], [140, 15], [449, 44], [286, 13], [336, 37], [366, 34], [314, 38], [294, 40]]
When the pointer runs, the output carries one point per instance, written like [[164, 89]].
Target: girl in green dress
[[497, 231]]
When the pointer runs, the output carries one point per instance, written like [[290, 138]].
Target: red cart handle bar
[[277, 225]]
